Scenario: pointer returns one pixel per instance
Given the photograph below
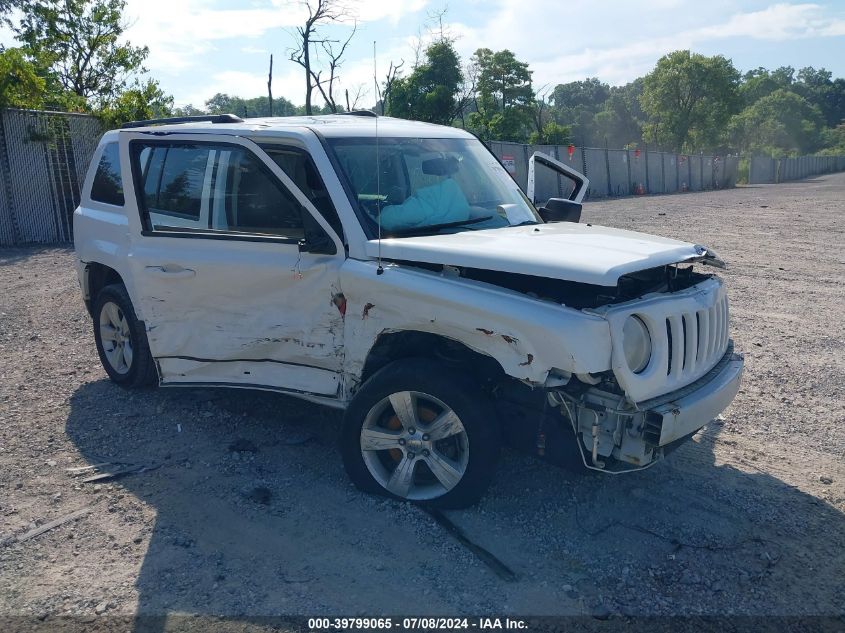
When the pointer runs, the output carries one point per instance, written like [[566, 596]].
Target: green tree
[[620, 120], [20, 84], [576, 104], [760, 82], [689, 99], [82, 44], [505, 97], [818, 87], [188, 110], [834, 141], [780, 123], [552, 133], [222, 103], [590, 93], [429, 93], [143, 100]]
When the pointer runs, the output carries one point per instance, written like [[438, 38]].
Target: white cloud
[[232, 82], [179, 33], [778, 22], [561, 42], [254, 50], [368, 10]]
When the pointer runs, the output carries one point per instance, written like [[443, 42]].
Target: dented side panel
[[526, 336], [239, 307]]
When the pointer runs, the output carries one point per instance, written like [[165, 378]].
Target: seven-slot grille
[[697, 338], [689, 334]]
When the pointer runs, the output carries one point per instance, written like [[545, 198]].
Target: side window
[[249, 199], [174, 178], [213, 189], [108, 182], [299, 167]]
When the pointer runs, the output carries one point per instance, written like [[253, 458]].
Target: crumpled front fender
[[526, 336]]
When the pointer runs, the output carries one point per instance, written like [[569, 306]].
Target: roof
[[329, 125]]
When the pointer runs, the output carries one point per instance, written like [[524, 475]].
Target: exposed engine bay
[[670, 278]]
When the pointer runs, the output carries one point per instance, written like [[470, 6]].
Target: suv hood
[[572, 252]]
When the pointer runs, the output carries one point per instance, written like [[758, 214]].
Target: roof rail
[[359, 113], [208, 118]]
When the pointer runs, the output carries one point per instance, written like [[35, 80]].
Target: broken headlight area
[[611, 434], [615, 435]]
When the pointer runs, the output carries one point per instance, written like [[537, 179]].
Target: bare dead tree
[[319, 12], [390, 79], [467, 94], [436, 29], [335, 60], [361, 91], [539, 109], [270, 85]]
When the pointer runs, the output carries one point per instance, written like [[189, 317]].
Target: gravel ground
[[245, 510]]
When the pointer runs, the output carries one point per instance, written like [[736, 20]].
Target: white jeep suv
[[395, 270]]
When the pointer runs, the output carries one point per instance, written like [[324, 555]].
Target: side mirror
[[316, 240], [318, 244], [560, 210]]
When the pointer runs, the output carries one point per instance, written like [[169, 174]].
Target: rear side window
[[108, 183], [175, 179]]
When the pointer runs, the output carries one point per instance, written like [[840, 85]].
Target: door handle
[[170, 272]]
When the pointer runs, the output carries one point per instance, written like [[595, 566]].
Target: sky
[[202, 47]]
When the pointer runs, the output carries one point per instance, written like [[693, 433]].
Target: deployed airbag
[[435, 204]]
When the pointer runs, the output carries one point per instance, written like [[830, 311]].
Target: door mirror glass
[[560, 210]]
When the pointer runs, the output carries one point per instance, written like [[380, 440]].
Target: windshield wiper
[[434, 228]]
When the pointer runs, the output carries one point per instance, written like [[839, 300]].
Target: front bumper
[[615, 435], [691, 408]]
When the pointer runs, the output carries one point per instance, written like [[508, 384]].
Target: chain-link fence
[[620, 172], [763, 169], [43, 160], [44, 157]]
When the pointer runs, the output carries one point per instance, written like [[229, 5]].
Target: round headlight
[[636, 342]]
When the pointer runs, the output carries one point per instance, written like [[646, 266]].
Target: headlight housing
[[636, 343]]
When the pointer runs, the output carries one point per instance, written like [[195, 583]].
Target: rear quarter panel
[[101, 231]]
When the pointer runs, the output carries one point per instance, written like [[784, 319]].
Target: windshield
[[430, 185]]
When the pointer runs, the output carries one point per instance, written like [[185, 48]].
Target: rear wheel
[[421, 431], [121, 339]]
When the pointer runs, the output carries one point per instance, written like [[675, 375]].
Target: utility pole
[[270, 85]]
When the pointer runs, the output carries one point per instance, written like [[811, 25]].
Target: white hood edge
[[572, 252]]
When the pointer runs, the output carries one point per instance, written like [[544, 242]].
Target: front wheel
[[121, 339], [421, 431]]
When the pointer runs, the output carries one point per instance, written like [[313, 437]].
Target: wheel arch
[[97, 276], [393, 346]]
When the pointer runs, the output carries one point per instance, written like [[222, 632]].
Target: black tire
[[453, 388], [141, 371]]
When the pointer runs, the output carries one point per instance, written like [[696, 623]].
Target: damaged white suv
[[394, 269]]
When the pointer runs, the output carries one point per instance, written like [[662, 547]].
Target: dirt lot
[[745, 519]]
